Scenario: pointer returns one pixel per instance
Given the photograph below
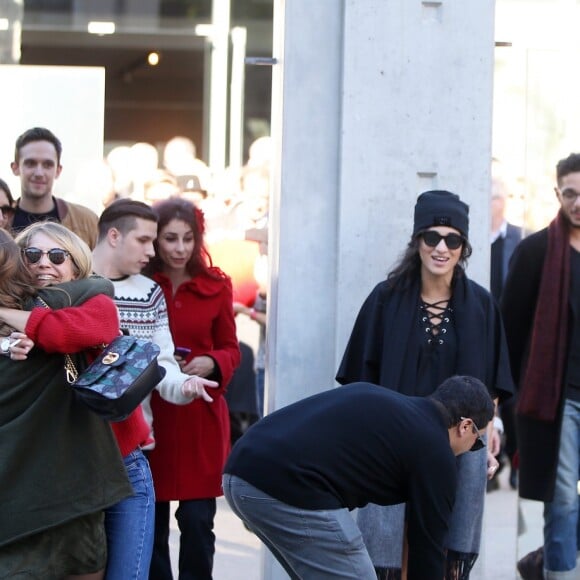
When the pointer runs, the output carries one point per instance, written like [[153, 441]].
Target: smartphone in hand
[[182, 351]]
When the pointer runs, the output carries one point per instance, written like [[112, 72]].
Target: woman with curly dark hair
[[191, 441], [426, 322]]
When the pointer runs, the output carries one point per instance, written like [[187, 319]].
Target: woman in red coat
[[192, 441]]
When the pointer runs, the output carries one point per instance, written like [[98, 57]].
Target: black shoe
[[531, 566], [513, 478]]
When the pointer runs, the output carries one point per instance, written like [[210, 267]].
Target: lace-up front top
[[432, 348], [435, 319]]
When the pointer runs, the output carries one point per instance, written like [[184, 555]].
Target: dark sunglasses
[[452, 241], [57, 256], [6, 209]]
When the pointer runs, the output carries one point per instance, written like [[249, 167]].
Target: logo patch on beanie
[[441, 221]]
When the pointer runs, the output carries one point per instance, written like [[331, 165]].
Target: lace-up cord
[[435, 317]]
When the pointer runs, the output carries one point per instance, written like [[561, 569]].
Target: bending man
[[295, 474]]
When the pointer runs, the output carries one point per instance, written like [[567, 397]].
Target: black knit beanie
[[441, 208]]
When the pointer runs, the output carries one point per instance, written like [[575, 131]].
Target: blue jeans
[[129, 524], [321, 544], [561, 521]]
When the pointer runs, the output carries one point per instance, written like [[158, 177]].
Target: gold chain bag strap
[[116, 382], [70, 369]]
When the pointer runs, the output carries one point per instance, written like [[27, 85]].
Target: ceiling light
[[101, 27], [203, 29]]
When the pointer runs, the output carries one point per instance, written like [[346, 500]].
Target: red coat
[[192, 441]]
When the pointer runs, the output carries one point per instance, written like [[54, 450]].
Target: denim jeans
[[321, 544], [195, 519], [561, 521], [129, 524]]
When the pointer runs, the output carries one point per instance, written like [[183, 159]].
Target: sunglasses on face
[[452, 241], [57, 256], [479, 442], [6, 209]]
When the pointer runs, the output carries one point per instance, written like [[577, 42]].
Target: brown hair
[[16, 283], [181, 209]]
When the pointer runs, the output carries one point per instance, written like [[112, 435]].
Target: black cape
[[378, 345]]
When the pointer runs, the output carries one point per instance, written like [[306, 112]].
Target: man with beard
[[541, 312]]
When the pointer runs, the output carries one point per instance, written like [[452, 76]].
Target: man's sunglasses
[[432, 239], [6, 209], [479, 442], [57, 256]]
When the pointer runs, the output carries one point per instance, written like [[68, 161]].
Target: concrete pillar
[[11, 12], [373, 102]]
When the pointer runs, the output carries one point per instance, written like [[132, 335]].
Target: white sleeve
[[170, 387]]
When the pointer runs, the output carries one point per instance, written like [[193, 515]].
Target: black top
[[431, 354], [573, 370], [23, 218], [355, 445]]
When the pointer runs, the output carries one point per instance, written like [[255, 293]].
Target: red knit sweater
[[59, 331]]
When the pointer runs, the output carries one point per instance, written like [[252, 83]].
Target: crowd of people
[[432, 363]]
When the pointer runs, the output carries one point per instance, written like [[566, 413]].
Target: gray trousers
[[321, 544], [382, 527]]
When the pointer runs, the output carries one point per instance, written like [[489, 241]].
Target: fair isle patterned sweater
[[143, 312]]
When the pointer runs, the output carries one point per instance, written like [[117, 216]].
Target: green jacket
[[58, 460]]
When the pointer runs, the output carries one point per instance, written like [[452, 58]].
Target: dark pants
[[197, 543], [507, 414]]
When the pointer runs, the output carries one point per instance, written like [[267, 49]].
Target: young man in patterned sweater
[[127, 230]]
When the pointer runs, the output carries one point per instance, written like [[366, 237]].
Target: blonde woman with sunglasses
[[61, 465]]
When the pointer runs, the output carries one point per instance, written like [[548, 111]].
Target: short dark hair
[[37, 134], [122, 215], [570, 164], [464, 396]]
